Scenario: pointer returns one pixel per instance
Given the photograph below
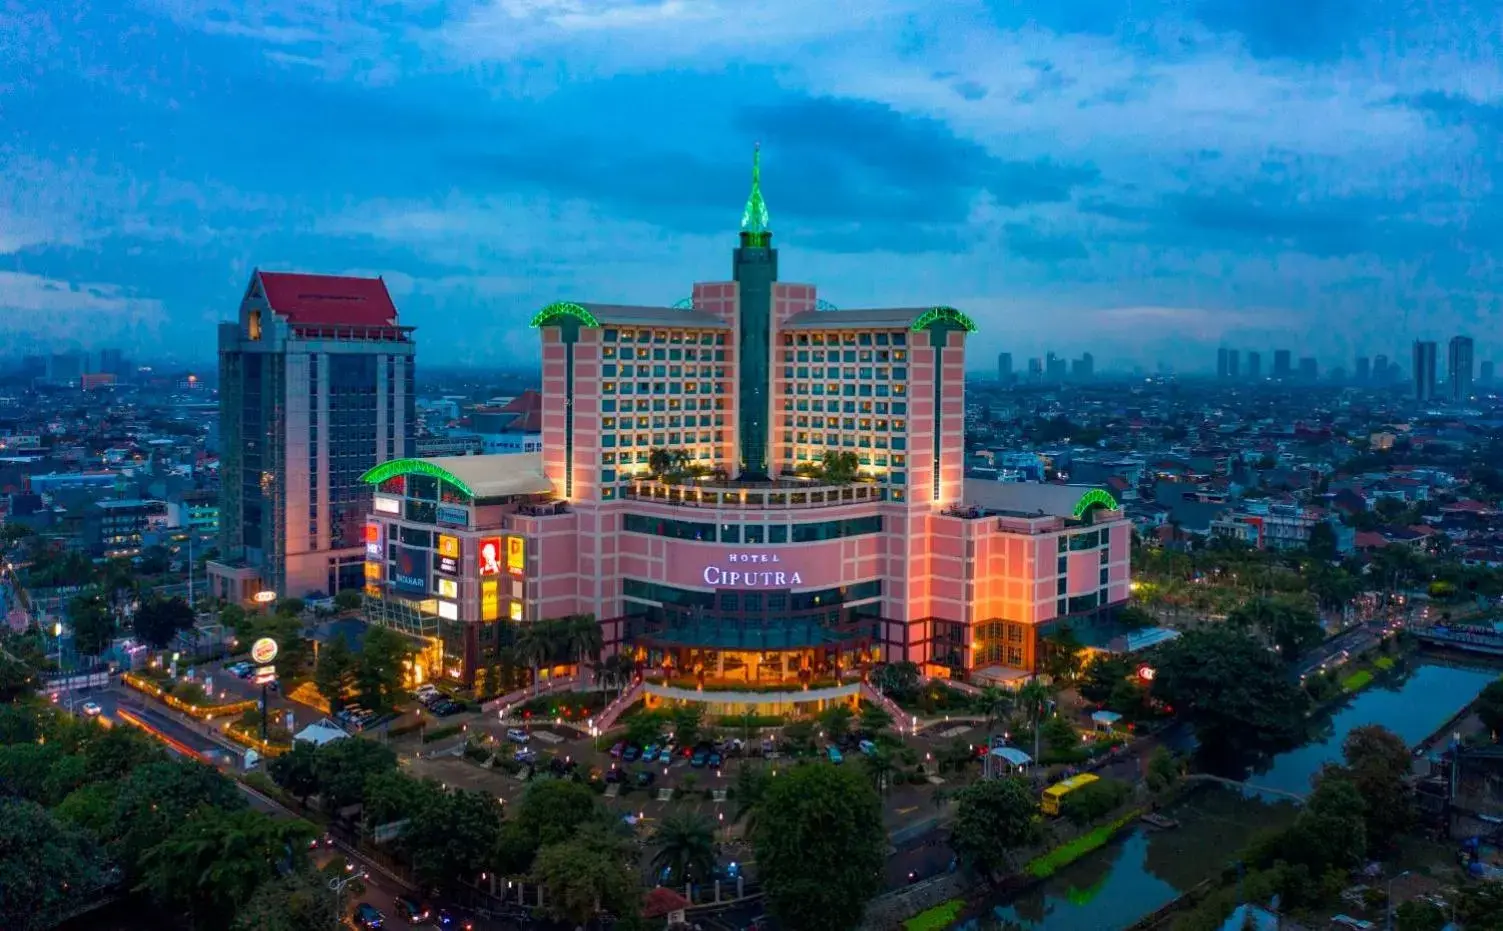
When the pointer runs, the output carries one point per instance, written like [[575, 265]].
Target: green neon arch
[[948, 316], [559, 310], [397, 467], [1093, 499]]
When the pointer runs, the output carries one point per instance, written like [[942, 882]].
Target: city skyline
[[995, 160]]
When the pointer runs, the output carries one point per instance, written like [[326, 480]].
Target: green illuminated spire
[[755, 222]]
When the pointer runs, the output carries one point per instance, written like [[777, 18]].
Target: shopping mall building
[[686, 498]]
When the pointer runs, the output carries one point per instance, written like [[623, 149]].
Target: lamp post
[[338, 885], [1388, 903]]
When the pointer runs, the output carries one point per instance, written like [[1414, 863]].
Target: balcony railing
[[766, 496]]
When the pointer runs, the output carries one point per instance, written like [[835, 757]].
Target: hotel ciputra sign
[[752, 570]]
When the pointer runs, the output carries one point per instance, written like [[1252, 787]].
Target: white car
[[517, 735], [92, 709]]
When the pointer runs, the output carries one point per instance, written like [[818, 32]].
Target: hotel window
[[730, 533]]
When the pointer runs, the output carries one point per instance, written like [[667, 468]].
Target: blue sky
[[1139, 179]]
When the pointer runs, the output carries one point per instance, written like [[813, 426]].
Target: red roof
[[1368, 539], [329, 300], [660, 901]]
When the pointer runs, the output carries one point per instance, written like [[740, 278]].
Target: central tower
[[755, 270]]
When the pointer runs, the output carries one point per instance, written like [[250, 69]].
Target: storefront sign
[[411, 572], [448, 555], [448, 610], [490, 600], [516, 555], [263, 651], [373, 547], [448, 514], [490, 556], [447, 588], [388, 505]]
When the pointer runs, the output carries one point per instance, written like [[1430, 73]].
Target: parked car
[[517, 736], [325, 841], [645, 777], [618, 749], [445, 708], [368, 917], [92, 709], [716, 760], [525, 755], [631, 754], [449, 920], [614, 775], [699, 758], [651, 753], [665, 755], [867, 747], [836, 756], [411, 911]]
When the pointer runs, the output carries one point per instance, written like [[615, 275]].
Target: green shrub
[[439, 733], [1094, 800], [1357, 680], [401, 729]]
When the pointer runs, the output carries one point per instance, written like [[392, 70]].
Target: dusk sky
[[1142, 180]]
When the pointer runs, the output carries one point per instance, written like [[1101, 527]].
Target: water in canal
[[1146, 869]]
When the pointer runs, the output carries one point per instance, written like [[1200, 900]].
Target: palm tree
[[1031, 700], [681, 460], [617, 669], [659, 460], [582, 635], [995, 703], [880, 768], [686, 847], [533, 647]]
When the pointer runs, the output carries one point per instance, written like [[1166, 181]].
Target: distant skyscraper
[[1364, 369], [1084, 368], [1035, 369], [1424, 370], [67, 368], [111, 362], [1309, 370], [1382, 374], [1233, 364], [1281, 363], [315, 389], [1255, 366], [1485, 373], [1459, 367], [1004, 367], [1055, 368], [1222, 371]]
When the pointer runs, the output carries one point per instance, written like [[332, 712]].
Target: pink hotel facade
[[680, 497]]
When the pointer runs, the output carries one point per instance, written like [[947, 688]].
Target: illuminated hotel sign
[[373, 547], [490, 556], [751, 578], [448, 555], [388, 505], [448, 514]]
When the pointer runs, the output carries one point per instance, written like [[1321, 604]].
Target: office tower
[[316, 389], [758, 581], [1485, 374], [1424, 371], [67, 368], [1254, 366], [1084, 368], [1035, 369], [1308, 369], [1382, 372], [1004, 367], [1459, 367], [111, 362], [1223, 362], [1281, 363], [1055, 368], [1364, 369]]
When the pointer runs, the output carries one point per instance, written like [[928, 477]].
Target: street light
[[1389, 902], [338, 885]]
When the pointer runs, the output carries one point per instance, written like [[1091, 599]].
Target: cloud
[[42, 313]]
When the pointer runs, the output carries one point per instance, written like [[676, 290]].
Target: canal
[[1144, 869]]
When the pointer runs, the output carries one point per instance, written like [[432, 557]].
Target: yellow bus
[[1056, 793]]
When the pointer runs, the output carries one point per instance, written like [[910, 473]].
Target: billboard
[[516, 555], [448, 555], [448, 514], [373, 545], [490, 600], [447, 588], [489, 558], [411, 571]]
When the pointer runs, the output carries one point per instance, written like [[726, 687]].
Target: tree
[[382, 667], [1094, 800], [644, 728], [343, 766], [659, 461], [46, 866], [1033, 696], [453, 837], [839, 467], [1322, 542], [233, 617], [1329, 832], [91, 807], [820, 846], [874, 718], [1132, 617], [1480, 906], [24, 770], [334, 672], [995, 704], [17, 680], [993, 817], [533, 648], [582, 634], [159, 620], [898, 680], [588, 874], [1490, 708], [291, 607], [1378, 764], [1103, 675], [211, 863], [1236, 694], [1163, 770], [93, 624], [1062, 655], [393, 795], [348, 600], [295, 902], [836, 721], [686, 849], [686, 724], [1291, 628], [297, 770], [549, 812]]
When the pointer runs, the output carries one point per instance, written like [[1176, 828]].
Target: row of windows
[[642, 422], [673, 387], [849, 355], [752, 533], [838, 390], [667, 337], [865, 373], [846, 338], [627, 405], [732, 602], [1085, 541], [847, 423], [610, 440], [667, 355], [898, 408]]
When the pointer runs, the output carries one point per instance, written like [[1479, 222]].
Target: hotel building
[[315, 389], [750, 487]]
